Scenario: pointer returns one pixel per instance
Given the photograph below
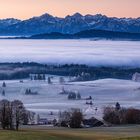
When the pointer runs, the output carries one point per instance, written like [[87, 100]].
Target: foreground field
[[43, 133]]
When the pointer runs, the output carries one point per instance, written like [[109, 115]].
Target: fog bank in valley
[[93, 53]]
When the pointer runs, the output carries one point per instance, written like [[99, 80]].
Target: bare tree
[[76, 118], [28, 117], [72, 118], [4, 113], [18, 112]]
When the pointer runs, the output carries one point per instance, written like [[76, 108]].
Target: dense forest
[[89, 34], [22, 70]]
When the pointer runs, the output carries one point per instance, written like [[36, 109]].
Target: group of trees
[[42, 77], [37, 77], [72, 118], [117, 115], [82, 77], [13, 113], [74, 96], [30, 92]]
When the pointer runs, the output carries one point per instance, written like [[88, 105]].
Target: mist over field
[[90, 52], [105, 92]]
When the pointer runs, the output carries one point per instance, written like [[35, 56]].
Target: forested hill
[[22, 70], [89, 34]]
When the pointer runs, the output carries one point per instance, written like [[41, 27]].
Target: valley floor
[[49, 133], [105, 92]]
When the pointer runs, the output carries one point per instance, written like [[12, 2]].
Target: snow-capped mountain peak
[[77, 15], [9, 21], [77, 22]]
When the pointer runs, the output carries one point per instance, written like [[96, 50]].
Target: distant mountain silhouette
[[68, 25]]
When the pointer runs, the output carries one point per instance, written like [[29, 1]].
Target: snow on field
[[82, 51], [104, 92]]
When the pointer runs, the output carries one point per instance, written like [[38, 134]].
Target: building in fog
[[136, 77]]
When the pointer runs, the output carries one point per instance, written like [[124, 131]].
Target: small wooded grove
[[13, 114], [121, 115]]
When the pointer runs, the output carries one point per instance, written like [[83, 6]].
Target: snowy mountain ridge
[[71, 24]]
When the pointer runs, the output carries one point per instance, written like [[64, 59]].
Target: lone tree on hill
[[3, 84], [3, 93], [49, 80]]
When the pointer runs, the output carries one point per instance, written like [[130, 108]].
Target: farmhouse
[[30, 92], [42, 121], [92, 122]]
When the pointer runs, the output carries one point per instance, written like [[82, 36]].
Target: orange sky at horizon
[[24, 9]]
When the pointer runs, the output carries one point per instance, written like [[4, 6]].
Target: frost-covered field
[[102, 52], [104, 92]]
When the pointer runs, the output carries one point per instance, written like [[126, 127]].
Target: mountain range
[[69, 25]]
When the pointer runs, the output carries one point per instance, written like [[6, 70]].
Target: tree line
[[23, 70], [121, 115], [117, 115]]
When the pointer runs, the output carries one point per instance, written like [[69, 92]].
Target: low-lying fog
[[104, 92], [102, 52]]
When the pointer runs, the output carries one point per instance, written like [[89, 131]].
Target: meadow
[[48, 99], [48, 133]]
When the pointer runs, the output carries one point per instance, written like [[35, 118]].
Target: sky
[[24, 9]]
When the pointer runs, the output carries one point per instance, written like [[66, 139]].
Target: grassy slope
[[112, 133]]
